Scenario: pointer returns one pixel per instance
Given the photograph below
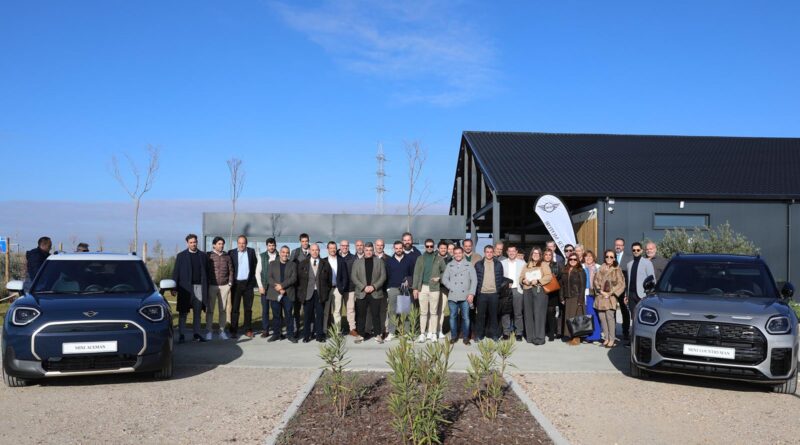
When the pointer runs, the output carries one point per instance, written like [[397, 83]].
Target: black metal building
[[633, 186]]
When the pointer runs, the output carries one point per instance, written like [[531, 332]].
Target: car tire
[[165, 372], [637, 372], [14, 382], [787, 387]]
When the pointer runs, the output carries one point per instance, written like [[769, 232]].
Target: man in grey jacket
[[639, 268], [461, 281], [282, 277], [659, 262], [368, 277]]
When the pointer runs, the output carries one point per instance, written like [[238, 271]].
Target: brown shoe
[[249, 334], [453, 341], [575, 341], [353, 333], [264, 334]]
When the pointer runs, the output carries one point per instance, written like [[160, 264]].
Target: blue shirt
[[243, 270]]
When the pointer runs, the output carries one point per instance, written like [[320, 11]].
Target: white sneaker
[[421, 338], [442, 336], [432, 336], [209, 336], [358, 339], [223, 335], [389, 337]]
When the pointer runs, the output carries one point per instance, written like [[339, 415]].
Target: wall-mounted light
[[611, 203]]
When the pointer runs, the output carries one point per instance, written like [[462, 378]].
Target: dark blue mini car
[[87, 313]]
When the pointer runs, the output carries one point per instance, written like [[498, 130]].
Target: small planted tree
[[337, 385], [722, 239], [485, 375], [418, 381]]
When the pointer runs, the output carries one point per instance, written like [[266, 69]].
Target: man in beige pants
[[220, 277], [349, 259], [428, 271]]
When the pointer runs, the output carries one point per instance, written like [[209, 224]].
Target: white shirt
[[333, 261], [511, 270], [244, 266]]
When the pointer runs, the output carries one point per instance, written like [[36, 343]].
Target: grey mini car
[[719, 316]]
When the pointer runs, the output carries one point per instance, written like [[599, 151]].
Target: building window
[[679, 221]]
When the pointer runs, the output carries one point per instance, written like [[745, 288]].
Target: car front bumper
[[779, 349]]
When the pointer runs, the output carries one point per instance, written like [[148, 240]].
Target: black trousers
[[487, 307], [371, 305], [626, 317], [296, 315], [242, 293], [552, 320], [313, 315]]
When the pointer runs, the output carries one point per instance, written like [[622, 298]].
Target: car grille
[[749, 343], [89, 363], [644, 348], [710, 370]]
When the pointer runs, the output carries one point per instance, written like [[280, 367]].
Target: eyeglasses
[[429, 246], [611, 257], [573, 259], [636, 250]]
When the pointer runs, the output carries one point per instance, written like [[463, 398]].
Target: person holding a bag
[[553, 325], [533, 278], [608, 284], [573, 285]]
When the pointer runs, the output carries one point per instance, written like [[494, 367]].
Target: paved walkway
[[257, 352]]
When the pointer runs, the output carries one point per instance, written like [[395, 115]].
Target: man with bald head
[[350, 303]]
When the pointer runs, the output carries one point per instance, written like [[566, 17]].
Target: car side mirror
[[14, 285], [649, 284], [167, 285], [787, 291]]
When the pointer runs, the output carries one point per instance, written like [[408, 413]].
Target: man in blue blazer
[[244, 272]]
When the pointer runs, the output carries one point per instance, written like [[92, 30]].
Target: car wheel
[[637, 372], [14, 382], [165, 372], [787, 387]]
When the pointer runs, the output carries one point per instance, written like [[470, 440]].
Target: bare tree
[[275, 225], [73, 242], [417, 194], [237, 182], [100, 243], [140, 186]]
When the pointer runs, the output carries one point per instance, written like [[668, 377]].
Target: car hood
[[705, 306], [105, 306]]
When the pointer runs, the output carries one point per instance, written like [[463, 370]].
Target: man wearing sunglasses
[[568, 249], [428, 270], [639, 268]]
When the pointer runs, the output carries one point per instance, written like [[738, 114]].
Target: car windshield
[[92, 277], [734, 279]]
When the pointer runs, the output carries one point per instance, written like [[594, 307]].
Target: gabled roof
[[533, 164]]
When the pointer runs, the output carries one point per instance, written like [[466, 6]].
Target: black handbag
[[506, 300], [581, 325]]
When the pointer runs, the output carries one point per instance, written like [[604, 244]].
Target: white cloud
[[427, 50]]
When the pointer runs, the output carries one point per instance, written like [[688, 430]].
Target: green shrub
[[337, 385], [721, 239], [485, 377], [796, 306], [418, 381]]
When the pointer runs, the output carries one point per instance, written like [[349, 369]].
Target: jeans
[[454, 308], [284, 308], [265, 314]]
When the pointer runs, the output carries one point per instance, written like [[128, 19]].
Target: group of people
[[500, 293]]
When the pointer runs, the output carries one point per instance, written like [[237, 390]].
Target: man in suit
[[244, 270], [298, 255], [340, 282], [368, 276], [619, 249], [261, 278], [659, 262], [281, 280], [350, 303], [551, 246], [190, 275], [313, 287], [638, 269]]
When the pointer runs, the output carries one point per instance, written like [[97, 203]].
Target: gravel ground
[[617, 409], [199, 405]]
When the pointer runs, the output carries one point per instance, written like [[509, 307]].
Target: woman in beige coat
[[534, 275], [609, 284]]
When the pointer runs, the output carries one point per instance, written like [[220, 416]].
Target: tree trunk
[[136, 202]]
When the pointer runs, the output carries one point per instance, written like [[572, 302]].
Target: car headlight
[[779, 325], [24, 315], [648, 316], [154, 312]]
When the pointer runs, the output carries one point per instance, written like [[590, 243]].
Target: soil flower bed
[[369, 420]]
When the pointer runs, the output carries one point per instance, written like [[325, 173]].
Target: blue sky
[[304, 91]]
